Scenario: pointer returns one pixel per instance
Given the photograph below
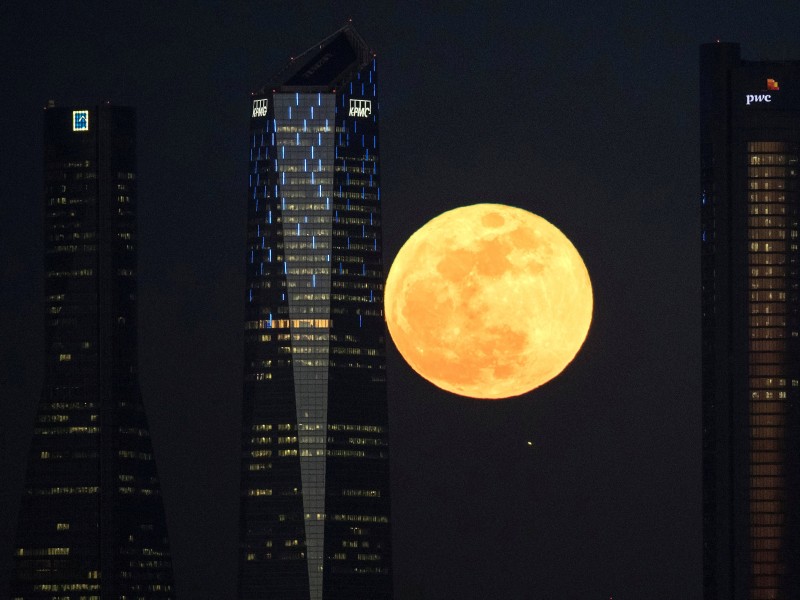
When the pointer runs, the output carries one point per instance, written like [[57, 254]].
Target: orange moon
[[488, 301]]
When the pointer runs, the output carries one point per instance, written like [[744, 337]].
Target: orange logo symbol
[[772, 84]]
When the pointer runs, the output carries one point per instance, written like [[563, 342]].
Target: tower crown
[[325, 65]]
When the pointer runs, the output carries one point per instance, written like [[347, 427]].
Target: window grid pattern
[[304, 142], [91, 459], [772, 239]]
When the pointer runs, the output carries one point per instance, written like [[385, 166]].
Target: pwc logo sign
[[757, 98], [772, 86]]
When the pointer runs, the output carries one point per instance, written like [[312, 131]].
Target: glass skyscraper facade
[[750, 146], [315, 520], [91, 522]]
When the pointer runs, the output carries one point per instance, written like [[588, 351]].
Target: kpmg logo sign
[[80, 120], [260, 107], [772, 86], [360, 108]]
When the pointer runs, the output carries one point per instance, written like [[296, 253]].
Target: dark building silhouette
[[750, 144], [91, 522], [315, 472]]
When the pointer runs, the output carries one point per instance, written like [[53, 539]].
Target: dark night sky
[[584, 114]]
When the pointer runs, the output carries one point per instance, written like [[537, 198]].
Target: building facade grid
[[315, 502]]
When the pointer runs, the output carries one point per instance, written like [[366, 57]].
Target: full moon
[[488, 301]]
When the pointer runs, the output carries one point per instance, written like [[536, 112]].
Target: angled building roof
[[325, 65]]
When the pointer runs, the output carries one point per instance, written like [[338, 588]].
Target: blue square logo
[[80, 120]]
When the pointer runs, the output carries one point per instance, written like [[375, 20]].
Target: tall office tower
[[750, 143], [315, 471], [91, 523]]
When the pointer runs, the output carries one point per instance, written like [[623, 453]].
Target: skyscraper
[[750, 144], [315, 473], [91, 522]]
